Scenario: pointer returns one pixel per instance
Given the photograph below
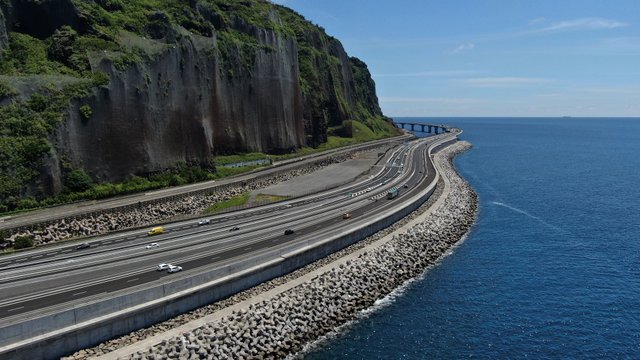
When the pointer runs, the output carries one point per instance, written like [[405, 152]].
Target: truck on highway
[[156, 231], [393, 192]]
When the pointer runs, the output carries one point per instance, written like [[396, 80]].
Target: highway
[[84, 207], [63, 275]]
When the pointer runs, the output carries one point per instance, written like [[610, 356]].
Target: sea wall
[[284, 324], [97, 321]]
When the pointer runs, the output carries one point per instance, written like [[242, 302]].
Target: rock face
[[181, 106], [3, 30], [217, 82]]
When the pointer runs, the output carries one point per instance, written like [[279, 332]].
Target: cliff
[[140, 87]]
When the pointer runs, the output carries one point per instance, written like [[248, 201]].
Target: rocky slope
[[142, 86]]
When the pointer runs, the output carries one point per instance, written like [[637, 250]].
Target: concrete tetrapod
[[283, 324]]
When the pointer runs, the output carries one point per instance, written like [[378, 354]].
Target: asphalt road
[[59, 276], [84, 207]]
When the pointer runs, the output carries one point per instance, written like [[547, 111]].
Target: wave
[[529, 215]]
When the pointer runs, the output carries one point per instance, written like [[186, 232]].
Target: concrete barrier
[[260, 175], [67, 330]]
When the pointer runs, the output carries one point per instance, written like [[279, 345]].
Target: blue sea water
[[551, 270]]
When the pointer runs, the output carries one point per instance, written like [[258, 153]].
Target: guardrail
[[214, 188], [98, 319]]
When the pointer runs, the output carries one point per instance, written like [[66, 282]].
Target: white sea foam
[[377, 306], [527, 214]]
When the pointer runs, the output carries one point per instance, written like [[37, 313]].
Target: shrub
[[27, 203], [23, 242], [7, 90], [86, 112], [77, 181]]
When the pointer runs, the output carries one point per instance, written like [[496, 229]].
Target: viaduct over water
[[422, 126]]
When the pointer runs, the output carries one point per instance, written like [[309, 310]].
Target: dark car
[[288, 232], [235, 228], [83, 246]]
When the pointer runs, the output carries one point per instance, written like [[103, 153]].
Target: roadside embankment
[[278, 318], [156, 212]]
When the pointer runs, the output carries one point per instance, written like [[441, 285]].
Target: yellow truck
[[156, 231]]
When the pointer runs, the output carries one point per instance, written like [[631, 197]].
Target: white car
[[173, 268], [204, 222], [153, 245], [163, 267]]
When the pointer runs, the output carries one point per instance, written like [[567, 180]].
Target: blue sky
[[492, 57]]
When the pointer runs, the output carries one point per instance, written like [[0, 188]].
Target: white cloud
[[537, 21], [463, 48], [582, 24], [505, 81]]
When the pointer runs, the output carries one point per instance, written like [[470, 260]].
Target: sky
[[492, 57]]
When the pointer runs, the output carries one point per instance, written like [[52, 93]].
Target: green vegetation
[[266, 198], [40, 78], [7, 90], [239, 158], [86, 112], [361, 133], [24, 129], [79, 186], [77, 181], [23, 242], [232, 202]]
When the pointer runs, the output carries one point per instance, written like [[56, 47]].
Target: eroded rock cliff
[[178, 82]]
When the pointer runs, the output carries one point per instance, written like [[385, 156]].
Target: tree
[[78, 181], [23, 242]]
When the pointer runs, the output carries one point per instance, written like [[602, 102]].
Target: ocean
[[551, 269]]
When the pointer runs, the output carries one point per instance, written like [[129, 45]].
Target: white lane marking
[[79, 293], [37, 256], [248, 248], [51, 254], [66, 251], [20, 260], [132, 280], [215, 257], [14, 309]]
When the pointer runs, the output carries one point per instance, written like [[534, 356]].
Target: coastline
[[303, 306]]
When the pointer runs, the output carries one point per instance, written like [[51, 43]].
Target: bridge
[[422, 126]]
